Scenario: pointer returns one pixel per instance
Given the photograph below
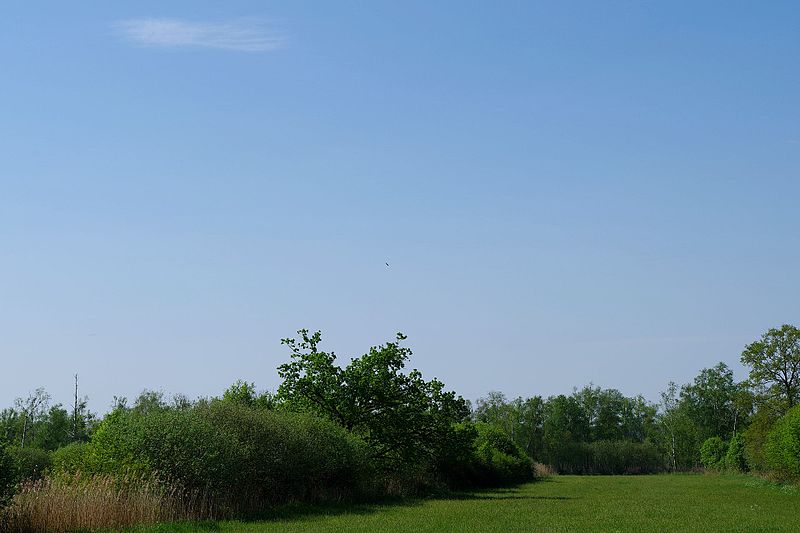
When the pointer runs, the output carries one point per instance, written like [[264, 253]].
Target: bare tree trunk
[[24, 428], [75, 412], [674, 455]]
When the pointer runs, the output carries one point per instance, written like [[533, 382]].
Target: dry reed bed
[[70, 503]]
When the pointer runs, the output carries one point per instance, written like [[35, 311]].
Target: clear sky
[[565, 192]]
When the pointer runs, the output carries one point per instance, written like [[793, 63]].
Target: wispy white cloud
[[243, 36]]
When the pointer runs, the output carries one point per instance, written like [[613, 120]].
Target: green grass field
[[689, 502]]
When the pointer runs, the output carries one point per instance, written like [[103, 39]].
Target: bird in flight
[[387, 264]]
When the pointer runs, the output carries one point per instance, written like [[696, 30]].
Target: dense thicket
[[782, 446], [228, 449]]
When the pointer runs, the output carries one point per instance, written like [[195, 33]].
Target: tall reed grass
[[69, 503]]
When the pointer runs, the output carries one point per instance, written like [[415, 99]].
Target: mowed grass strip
[[680, 502]]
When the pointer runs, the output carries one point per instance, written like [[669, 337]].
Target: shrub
[[485, 457], [288, 455], [111, 449], [501, 460], [8, 475], [29, 463], [713, 452], [735, 458], [179, 445], [782, 447], [755, 438], [70, 458], [232, 450]]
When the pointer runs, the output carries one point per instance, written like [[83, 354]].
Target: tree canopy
[[774, 363], [401, 415]]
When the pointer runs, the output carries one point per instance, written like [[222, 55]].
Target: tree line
[[371, 428], [712, 422]]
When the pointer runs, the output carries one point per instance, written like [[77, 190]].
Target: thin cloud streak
[[242, 36]]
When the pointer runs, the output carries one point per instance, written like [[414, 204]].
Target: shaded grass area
[[685, 502]]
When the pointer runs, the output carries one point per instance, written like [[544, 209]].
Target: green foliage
[[29, 463], [401, 416], [53, 431], [178, 445], [149, 401], [782, 447], [245, 393], [625, 457], [735, 457], [229, 449], [521, 419], [774, 363], [290, 455], [112, 447], [755, 438], [612, 416], [710, 402], [70, 458], [486, 457], [34, 423], [608, 457], [501, 461], [713, 452], [560, 430], [8, 475]]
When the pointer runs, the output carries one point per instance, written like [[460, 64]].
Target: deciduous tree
[[774, 363]]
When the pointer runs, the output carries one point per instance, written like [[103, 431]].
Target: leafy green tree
[[774, 363], [735, 456], [638, 419], [678, 436], [400, 415], [755, 436], [10, 425], [149, 401], [530, 434], [7, 473], [710, 402], [244, 393], [31, 410], [713, 452], [613, 416], [521, 419], [495, 410], [53, 430], [565, 423]]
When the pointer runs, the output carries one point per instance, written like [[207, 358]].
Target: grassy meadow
[[673, 502]]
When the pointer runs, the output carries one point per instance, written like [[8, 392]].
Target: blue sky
[[565, 192]]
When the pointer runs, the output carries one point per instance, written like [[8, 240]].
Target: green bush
[[18, 464], [29, 463], [500, 460], [111, 449], [8, 475], [782, 447], [735, 457], [177, 445], [288, 455], [713, 452], [70, 458], [755, 438], [230, 449], [482, 455]]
